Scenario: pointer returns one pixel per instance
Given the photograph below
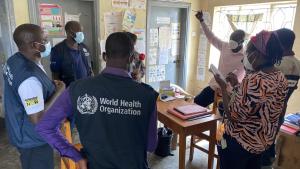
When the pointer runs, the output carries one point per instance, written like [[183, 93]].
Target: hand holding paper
[[215, 72], [219, 77]]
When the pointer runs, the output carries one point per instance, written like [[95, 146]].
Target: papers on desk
[[189, 112]]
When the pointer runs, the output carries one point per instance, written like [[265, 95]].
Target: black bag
[[163, 148]]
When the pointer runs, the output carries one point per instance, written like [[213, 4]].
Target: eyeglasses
[[44, 41]]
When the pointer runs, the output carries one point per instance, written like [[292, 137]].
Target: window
[[251, 18]]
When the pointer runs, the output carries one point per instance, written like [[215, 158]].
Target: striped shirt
[[255, 107]]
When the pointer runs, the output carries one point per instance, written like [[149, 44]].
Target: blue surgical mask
[[47, 49], [79, 37]]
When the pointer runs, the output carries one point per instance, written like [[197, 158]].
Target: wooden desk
[[186, 128]]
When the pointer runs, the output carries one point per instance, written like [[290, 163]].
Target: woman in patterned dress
[[254, 107]]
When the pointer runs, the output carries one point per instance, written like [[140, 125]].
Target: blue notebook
[[293, 118]]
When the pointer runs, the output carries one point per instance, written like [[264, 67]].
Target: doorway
[[167, 52], [86, 12]]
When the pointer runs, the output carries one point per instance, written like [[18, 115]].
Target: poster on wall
[[51, 19], [161, 72], [157, 73], [175, 30], [163, 20], [175, 43], [153, 37], [163, 56], [138, 4], [164, 39], [152, 56], [72, 17], [141, 40], [202, 50], [152, 73], [207, 19], [128, 20], [175, 49], [112, 22], [120, 3]]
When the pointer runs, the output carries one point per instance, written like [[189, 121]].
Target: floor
[[9, 157]]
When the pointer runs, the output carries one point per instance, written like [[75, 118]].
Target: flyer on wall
[[51, 19]]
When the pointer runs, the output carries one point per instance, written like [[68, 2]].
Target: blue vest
[[20, 130], [112, 116]]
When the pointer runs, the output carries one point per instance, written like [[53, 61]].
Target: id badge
[[220, 131], [223, 143]]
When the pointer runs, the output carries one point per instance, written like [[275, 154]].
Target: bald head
[[27, 33]]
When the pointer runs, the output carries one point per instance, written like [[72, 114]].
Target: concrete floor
[[9, 158]]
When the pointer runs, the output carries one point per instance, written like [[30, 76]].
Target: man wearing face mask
[[231, 54], [28, 93], [70, 59]]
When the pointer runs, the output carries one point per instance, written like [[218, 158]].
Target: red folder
[[186, 117], [191, 109], [288, 129]]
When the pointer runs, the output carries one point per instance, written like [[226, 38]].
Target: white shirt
[[229, 61], [31, 94]]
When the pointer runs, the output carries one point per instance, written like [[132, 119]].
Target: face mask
[[233, 44], [47, 49], [79, 37]]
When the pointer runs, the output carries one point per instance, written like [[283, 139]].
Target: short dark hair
[[238, 34], [70, 24], [119, 44], [26, 33], [287, 38], [132, 36]]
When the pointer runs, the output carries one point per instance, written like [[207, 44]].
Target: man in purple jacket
[[115, 116]]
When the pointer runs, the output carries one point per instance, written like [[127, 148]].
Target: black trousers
[[206, 97], [37, 157], [236, 157]]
